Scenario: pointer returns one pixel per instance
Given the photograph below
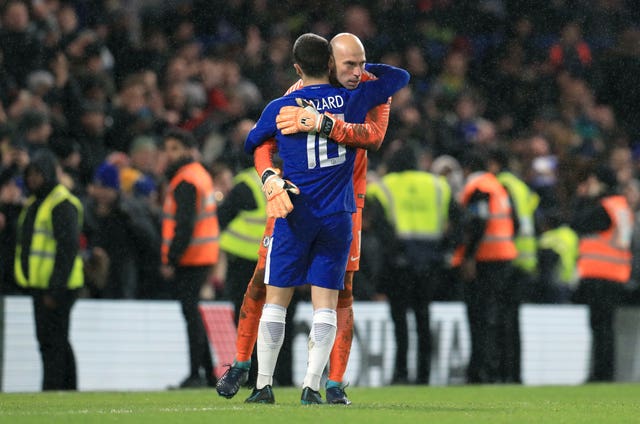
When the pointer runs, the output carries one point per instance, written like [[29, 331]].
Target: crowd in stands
[[555, 83]]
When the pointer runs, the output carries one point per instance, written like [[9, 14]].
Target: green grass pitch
[[591, 403]]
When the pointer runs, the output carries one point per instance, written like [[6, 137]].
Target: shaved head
[[347, 43], [347, 59]]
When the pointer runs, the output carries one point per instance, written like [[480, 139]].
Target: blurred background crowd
[[554, 83]]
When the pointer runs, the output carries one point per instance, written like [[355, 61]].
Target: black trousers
[[239, 272], [492, 302], [602, 297], [188, 282], [413, 290], [52, 332]]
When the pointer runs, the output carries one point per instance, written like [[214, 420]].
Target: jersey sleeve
[[389, 80], [368, 135], [264, 129]]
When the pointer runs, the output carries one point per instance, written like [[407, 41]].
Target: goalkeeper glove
[[276, 190], [304, 118]]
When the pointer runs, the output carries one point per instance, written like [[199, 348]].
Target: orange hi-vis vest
[[607, 255], [497, 242], [203, 248]]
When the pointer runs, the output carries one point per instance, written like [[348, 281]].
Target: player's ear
[[298, 69]]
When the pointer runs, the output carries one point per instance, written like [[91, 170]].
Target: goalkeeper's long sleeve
[[368, 135], [263, 155]]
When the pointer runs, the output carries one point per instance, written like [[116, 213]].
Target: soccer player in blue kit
[[311, 245]]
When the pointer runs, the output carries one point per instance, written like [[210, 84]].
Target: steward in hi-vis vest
[[604, 222], [44, 248], [484, 259], [48, 265], [411, 209], [202, 248], [607, 254], [189, 246], [497, 240], [524, 202]]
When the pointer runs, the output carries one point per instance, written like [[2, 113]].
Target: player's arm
[[274, 187], [368, 135], [263, 156], [264, 129], [305, 118], [389, 80]]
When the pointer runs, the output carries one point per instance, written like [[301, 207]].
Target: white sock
[[270, 337], [321, 338]]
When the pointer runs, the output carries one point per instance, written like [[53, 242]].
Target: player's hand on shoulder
[[303, 118]]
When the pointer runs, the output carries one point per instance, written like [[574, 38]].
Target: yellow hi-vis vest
[[526, 202], [43, 245], [244, 233], [416, 203], [564, 242]]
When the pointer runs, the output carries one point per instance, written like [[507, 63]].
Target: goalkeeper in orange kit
[[347, 68]]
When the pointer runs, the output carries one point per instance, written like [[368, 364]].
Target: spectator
[[143, 157], [67, 152], [216, 108], [22, 51], [34, 129], [89, 133], [11, 201], [571, 52], [233, 154], [131, 116], [120, 237], [460, 129], [452, 80]]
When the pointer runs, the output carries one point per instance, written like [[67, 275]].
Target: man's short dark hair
[[311, 53], [474, 159], [184, 137]]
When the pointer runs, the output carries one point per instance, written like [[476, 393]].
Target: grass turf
[[591, 403]]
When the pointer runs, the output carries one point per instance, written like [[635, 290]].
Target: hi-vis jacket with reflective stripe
[[526, 202], [497, 242], [607, 255], [244, 233], [415, 202], [43, 244], [564, 242], [203, 248]]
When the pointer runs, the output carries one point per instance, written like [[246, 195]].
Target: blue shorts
[[305, 249]]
